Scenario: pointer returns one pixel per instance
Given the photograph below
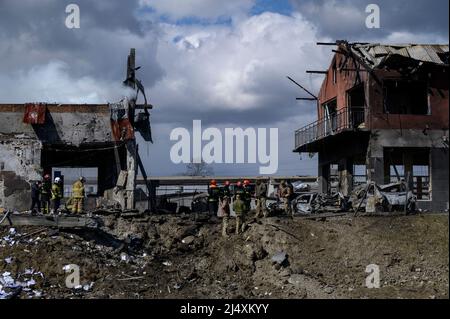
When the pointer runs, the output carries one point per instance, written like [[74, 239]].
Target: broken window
[[359, 174], [421, 180], [330, 110], [356, 101], [334, 73], [406, 97], [334, 178]]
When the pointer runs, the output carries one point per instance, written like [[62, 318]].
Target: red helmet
[[213, 182], [227, 183], [246, 182], [239, 184], [46, 177]]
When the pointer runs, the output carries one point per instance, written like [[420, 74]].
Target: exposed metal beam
[[317, 72], [295, 82]]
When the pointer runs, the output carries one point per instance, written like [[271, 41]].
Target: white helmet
[[57, 180]]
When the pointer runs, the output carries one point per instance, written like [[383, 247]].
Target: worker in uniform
[[285, 195], [247, 196], [213, 197], [261, 197], [238, 190], [240, 209], [224, 209], [46, 194], [57, 194], [225, 191], [78, 194], [36, 197]]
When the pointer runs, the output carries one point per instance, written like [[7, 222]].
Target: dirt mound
[[184, 256]]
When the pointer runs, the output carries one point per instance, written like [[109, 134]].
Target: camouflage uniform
[[240, 209], [286, 194], [261, 196], [225, 212]]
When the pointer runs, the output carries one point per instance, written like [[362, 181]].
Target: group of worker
[[219, 200], [46, 196]]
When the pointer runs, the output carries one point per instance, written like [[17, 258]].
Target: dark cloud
[[345, 19], [34, 33]]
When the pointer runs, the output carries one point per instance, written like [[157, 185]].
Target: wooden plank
[[50, 221]]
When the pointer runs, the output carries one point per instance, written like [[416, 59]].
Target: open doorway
[[356, 101], [69, 175], [99, 164]]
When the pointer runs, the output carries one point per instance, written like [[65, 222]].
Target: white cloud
[[204, 9], [237, 67]]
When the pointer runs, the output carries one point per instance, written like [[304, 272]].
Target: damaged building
[[37, 138], [383, 117]]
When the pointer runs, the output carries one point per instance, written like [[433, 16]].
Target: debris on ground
[[185, 256]]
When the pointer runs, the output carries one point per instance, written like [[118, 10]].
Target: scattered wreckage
[[370, 197]]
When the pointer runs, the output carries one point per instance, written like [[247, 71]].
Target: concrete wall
[[65, 124], [19, 164], [21, 144]]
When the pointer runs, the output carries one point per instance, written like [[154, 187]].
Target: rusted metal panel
[[122, 130], [34, 113]]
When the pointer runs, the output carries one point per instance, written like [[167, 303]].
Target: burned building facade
[[36, 138], [383, 116]]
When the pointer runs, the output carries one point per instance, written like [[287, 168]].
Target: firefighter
[[57, 194], [226, 189], [238, 190], [78, 194], [213, 197], [36, 197], [247, 196], [261, 196], [46, 193]]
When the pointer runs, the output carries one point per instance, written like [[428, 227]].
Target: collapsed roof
[[377, 56]]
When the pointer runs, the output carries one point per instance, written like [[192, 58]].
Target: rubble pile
[[185, 256]]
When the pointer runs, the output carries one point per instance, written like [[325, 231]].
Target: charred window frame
[[403, 96]]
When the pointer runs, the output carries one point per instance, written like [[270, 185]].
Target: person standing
[[247, 196], [224, 210], [239, 209], [78, 194], [261, 196], [46, 194], [213, 198], [36, 197], [286, 195], [57, 195]]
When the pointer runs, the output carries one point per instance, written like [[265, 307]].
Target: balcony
[[344, 120]]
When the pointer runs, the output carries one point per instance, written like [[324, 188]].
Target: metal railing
[[345, 119]]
